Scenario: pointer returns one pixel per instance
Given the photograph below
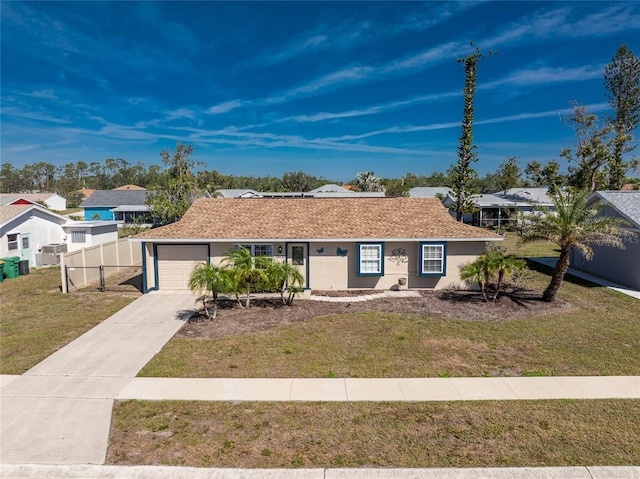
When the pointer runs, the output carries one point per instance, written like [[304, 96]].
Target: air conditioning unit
[[51, 253]]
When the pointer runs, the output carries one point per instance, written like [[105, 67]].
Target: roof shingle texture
[[626, 202], [10, 211], [111, 198], [315, 218]]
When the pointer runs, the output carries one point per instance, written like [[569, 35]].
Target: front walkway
[[59, 412]]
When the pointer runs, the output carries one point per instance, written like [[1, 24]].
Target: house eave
[[305, 240]]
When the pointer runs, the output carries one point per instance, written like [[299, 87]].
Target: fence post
[[84, 270], [64, 275], [102, 287]]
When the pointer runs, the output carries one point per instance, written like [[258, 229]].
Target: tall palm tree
[[368, 181], [575, 225], [207, 278]]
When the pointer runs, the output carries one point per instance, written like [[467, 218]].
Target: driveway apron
[[59, 412]]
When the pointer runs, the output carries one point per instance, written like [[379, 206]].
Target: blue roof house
[[124, 206]]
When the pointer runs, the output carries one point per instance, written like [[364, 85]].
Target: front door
[[297, 256], [25, 247]]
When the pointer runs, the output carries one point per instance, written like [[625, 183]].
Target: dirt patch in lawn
[[266, 314]]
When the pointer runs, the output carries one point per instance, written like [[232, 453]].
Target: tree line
[[71, 177]]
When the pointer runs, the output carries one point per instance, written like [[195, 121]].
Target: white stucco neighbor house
[[620, 266], [337, 243], [82, 234], [26, 229]]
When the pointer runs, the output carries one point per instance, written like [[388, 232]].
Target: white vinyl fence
[[88, 265]]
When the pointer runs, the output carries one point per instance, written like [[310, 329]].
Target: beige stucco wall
[[329, 270], [149, 266]]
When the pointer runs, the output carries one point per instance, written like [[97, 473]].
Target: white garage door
[[175, 264]]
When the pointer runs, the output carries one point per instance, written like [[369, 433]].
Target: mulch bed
[[266, 314]]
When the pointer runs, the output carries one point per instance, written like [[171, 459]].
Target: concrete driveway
[[59, 412]]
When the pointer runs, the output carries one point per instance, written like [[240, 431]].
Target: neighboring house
[[123, 206], [85, 192], [335, 191], [492, 209], [616, 265], [130, 187], [26, 229], [337, 243], [237, 193], [82, 234], [53, 201], [429, 192], [498, 209], [326, 191]]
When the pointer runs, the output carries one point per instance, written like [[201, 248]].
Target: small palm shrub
[[494, 266]]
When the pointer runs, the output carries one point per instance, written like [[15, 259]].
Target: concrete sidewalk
[[166, 472], [383, 389]]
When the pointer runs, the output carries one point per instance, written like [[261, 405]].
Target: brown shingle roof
[[316, 218]]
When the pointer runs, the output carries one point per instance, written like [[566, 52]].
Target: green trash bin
[[1, 271], [11, 266]]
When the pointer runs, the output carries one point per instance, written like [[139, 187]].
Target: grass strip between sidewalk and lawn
[[454, 434], [37, 319]]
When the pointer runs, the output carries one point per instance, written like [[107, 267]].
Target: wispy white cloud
[[596, 107], [568, 22], [345, 34], [347, 75], [14, 112], [226, 106], [545, 75], [423, 59], [556, 23]]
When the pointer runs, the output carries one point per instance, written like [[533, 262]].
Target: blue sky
[[262, 88]]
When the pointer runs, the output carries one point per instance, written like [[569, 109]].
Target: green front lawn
[[599, 336], [37, 319], [529, 250]]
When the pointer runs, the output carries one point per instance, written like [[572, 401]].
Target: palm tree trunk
[[248, 293], [484, 291], [215, 305], [558, 275], [499, 285]]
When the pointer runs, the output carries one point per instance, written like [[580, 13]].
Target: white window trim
[[442, 258], [379, 259], [252, 248], [13, 242], [78, 234]]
